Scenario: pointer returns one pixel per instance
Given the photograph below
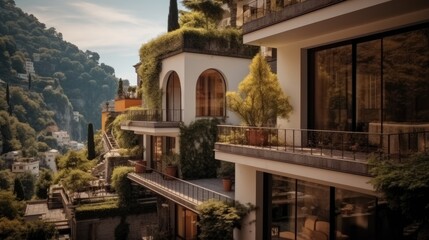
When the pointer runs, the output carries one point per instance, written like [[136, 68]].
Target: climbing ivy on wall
[[196, 149]]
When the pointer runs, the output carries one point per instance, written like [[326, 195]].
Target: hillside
[[65, 78]]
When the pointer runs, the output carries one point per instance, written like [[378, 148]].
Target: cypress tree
[[29, 81], [18, 189], [91, 144], [120, 92], [9, 107], [173, 16]]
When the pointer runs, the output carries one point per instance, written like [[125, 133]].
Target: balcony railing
[[334, 144], [156, 115], [278, 11], [175, 188]]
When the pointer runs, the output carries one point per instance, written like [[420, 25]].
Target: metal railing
[[156, 115], [339, 144], [180, 188], [258, 8]]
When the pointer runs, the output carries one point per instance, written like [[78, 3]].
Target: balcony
[[333, 150], [257, 14], [164, 122], [186, 193]]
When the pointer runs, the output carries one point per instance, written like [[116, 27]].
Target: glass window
[[313, 210], [405, 75], [355, 215], [333, 84], [186, 223], [174, 98], [283, 206], [210, 94], [359, 86]]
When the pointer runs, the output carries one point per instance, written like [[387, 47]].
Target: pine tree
[[91, 144], [173, 16]]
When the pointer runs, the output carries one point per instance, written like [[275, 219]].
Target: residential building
[[194, 80], [26, 165], [50, 157], [355, 72], [62, 137]]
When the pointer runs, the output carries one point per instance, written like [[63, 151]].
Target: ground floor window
[[186, 223], [299, 209]]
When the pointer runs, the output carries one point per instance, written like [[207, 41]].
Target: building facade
[[355, 72], [26, 165]]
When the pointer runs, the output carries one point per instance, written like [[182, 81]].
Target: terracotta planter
[[171, 172], [257, 137], [140, 166], [227, 184]]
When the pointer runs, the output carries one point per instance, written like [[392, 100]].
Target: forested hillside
[[65, 78]]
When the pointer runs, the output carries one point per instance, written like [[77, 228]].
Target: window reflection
[[389, 83], [355, 214]]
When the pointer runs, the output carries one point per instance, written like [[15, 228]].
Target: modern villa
[[356, 75]]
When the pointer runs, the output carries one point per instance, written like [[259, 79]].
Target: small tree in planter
[[227, 173], [259, 99], [171, 163]]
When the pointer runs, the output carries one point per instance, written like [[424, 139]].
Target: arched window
[[174, 98], [210, 94]]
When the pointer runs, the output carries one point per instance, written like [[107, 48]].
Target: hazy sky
[[114, 29]]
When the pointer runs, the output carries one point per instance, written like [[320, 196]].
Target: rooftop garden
[[223, 42]]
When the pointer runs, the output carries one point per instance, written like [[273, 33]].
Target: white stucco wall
[[189, 67]]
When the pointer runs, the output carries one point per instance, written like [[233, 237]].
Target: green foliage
[[259, 99], [43, 183], [405, 184], [18, 189], [122, 230], [218, 219], [11, 229], [17, 135], [9, 207], [75, 160], [109, 209], [196, 149], [27, 181], [211, 10], [40, 230], [6, 179], [91, 144], [76, 180], [126, 139], [227, 169], [122, 186]]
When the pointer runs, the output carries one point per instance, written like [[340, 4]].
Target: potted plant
[[227, 173], [171, 163], [259, 100]]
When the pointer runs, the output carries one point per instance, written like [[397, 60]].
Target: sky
[[114, 29]]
